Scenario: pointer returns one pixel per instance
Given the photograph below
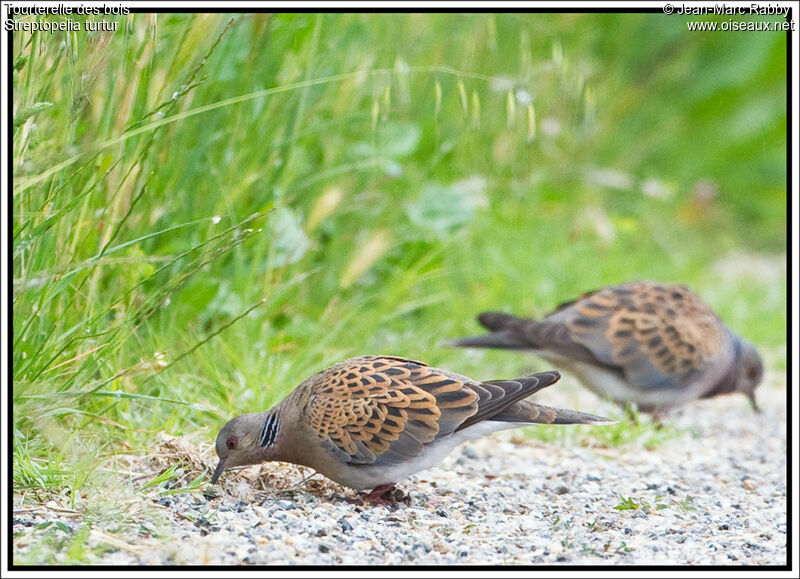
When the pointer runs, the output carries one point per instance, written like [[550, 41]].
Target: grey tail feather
[[574, 417], [513, 391], [505, 333], [536, 382], [528, 411], [503, 340], [495, 321]]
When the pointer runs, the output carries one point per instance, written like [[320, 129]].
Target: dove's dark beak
[[752, 397], [218, 471]]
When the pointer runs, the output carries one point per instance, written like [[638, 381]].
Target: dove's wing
[[381, 410], [656, 336]]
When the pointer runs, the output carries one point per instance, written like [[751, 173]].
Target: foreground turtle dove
[[658, 346], [369, 422]]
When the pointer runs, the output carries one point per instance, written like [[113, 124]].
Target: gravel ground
[[714, 494]]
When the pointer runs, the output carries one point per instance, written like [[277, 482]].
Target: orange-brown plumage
[[372, 420], [642, 342]]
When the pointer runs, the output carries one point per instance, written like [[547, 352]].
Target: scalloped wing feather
[[384, 410], [658, 336]]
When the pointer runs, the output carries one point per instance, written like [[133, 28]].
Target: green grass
[[652, 508], [631, 430], [207, 209]]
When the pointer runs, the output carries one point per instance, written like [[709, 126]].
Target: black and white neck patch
[[269, 431]]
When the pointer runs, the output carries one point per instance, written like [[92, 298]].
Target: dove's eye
[[232, 442], [752, 373]]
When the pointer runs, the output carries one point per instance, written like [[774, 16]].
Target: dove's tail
[[505, 334], [509, 401], [527, 411], [499, 340]]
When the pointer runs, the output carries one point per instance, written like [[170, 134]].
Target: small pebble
[[498, 508]]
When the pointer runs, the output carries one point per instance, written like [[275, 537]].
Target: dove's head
[[247, 439], [749, 370]]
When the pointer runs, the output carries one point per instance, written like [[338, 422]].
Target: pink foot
[[387, 495]]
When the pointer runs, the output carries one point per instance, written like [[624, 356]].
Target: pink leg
[[381, 494], [386, 495]]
